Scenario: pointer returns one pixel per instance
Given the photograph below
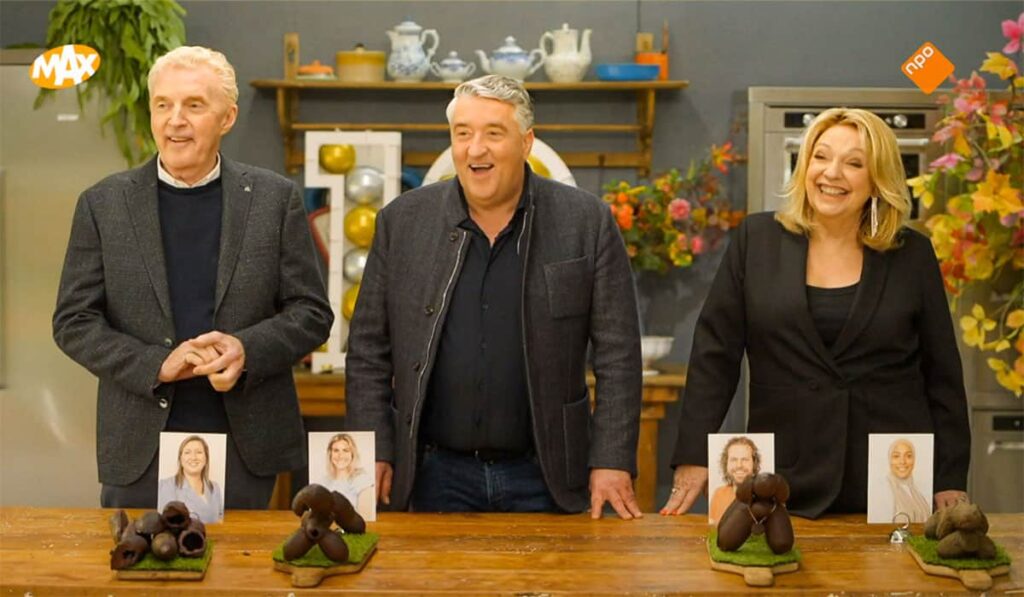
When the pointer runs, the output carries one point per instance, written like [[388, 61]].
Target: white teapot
[[453, 69], [409, 60], [512, 61], [570, 57]]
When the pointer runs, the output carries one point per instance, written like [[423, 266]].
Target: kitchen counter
[[51, 551]]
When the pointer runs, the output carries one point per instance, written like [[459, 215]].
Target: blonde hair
[[179, 478], [194, 57], [885, 170], [504, 89]]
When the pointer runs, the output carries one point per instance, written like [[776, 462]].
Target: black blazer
[[893, 369]]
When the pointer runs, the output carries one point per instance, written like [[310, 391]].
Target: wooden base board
[[311, 576], [161, 574], [976, 580]]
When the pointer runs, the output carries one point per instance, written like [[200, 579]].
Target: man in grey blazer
[[468, 347], [190, 287]]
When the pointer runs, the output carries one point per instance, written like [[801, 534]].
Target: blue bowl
[[627, 72]]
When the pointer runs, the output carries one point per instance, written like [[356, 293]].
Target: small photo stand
[[192, 471], [732, 458], [900, 467], [345, 461]]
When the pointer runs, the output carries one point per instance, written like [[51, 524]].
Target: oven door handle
[[794, 142], [1009, 446]]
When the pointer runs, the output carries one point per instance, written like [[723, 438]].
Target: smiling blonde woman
[[841, 312]]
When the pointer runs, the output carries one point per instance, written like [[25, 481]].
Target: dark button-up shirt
[[477, 398]]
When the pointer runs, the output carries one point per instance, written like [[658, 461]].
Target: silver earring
[[874, 216]]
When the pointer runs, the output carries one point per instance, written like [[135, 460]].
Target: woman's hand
[[688, 482], [950, 497]]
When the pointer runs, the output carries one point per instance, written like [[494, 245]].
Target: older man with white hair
[[190, 287], [468, 346]]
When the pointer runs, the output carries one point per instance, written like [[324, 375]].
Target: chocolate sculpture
[[318, 508], [167, 535], [961, 532], [760, 507]]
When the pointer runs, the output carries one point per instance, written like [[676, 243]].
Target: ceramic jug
[[409, 60], [569, 58], [511, 61]]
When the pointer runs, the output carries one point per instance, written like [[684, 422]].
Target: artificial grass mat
[[359, 545], [926, 548], [755, 552], [178, 564]]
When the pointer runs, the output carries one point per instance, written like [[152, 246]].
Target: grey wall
[[721, 47]]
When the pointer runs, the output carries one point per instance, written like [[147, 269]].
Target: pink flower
[[946, 162], [996, 113], [969, 103], [948, 132], [697, 245], [1013, 31], [977, 172], [679, 209]]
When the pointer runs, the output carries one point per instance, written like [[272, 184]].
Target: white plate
[[443, 168]]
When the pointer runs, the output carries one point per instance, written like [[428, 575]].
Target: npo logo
[[65, 66], [927, 67]]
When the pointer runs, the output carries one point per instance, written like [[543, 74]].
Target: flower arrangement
[[979, 234], [669, 221]]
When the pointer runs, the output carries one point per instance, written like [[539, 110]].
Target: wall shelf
[[288, 92]]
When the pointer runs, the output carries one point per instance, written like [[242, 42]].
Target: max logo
[[927, 67], [65, 66]]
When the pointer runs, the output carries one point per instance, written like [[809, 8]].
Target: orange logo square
[[927, 67]]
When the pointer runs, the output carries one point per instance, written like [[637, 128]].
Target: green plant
[[979, 235], [129, 36], [669, 221]]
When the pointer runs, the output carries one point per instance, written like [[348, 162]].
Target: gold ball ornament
[[359, 225], [337, 159], [348, 301], [538, 166]]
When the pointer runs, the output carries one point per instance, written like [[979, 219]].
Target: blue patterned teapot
[[512, 61], [409, 60]]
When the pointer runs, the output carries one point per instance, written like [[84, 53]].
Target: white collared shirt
[[169, 178]]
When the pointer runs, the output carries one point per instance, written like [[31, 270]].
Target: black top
[[830, 307], [190, 223], [477, 396]]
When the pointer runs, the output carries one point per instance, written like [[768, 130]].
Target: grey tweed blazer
[[577, 289], [113, 314]]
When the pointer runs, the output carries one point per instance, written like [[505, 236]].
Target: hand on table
[[616, 488], [688, 482]]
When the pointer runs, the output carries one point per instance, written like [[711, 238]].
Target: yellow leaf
[[988, 325], [961, 146], [996, 364], [1005, 137], [968, 323], [1000, 65], [1015, 319], [1002, 345], [978, 312]]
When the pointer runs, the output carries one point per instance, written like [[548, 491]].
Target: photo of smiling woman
[[191, 484], [346, 473], [901, 481]]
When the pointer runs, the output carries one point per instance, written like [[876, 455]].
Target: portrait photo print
[[192, 471], [732, 458], [345, 462], [900, 468]]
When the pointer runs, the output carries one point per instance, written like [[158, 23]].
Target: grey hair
[[504, 89], [196, 56]]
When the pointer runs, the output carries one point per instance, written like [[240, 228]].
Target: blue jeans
[[448, 481]]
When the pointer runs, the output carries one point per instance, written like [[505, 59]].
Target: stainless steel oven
[[779, 115]]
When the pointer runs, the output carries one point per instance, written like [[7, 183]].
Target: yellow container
[[361, 66]]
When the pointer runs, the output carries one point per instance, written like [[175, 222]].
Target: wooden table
[[64, 552], [323, 395]]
